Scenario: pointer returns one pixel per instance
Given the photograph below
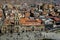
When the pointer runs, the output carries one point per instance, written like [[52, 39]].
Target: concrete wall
[[28, 1]]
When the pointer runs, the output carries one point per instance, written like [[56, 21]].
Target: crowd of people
[[30, 14]]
